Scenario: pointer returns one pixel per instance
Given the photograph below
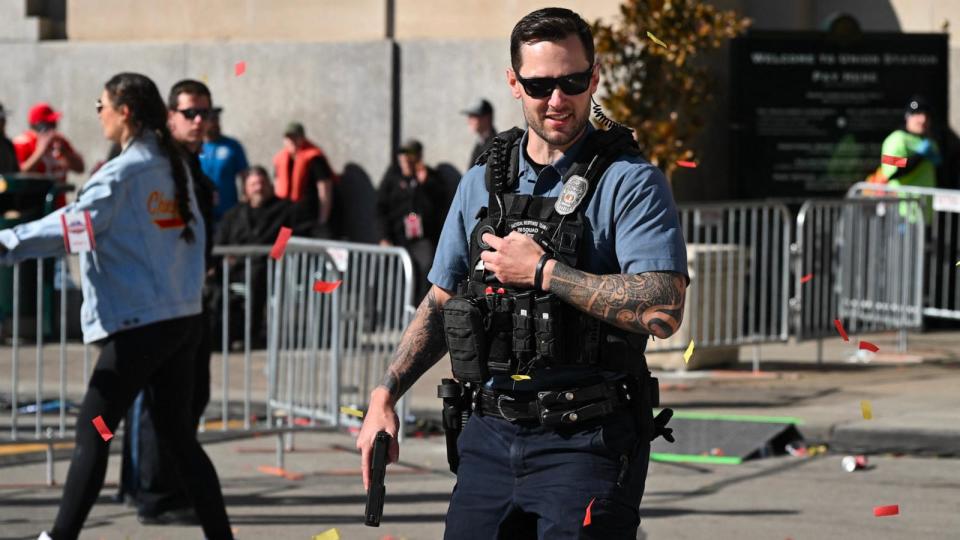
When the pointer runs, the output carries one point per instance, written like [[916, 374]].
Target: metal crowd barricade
[[330, 350], [738, 258], [33, 394], [941, 280], [322, 350], [257, 272], [859, 261]]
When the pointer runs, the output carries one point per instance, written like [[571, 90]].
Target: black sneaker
[[177, 516]]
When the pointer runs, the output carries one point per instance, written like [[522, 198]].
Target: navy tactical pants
[[519, 482]]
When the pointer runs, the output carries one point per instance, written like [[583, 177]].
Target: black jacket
[[398, 196], [8, 156]]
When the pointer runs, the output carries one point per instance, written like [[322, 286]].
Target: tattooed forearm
[[421, 346], [648, 303]]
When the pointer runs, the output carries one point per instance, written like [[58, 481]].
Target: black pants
[[421, 254], [157, 359], [149, 474]]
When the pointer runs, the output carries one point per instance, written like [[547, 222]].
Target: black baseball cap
[[480, 108], [411, 146], [294, 129], [917, 105]]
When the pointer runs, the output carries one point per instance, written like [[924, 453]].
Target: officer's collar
[[561, 165]]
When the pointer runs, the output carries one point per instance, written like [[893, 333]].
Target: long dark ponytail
[[148, 111]]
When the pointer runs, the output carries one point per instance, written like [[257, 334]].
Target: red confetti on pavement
[[867, 346], [280, 245], [102, 428], [893, 160], [326, 286], [843, 333], [239, 68], [806, 278], [277, 471], [586, 517], [687, 164], [889, 510]]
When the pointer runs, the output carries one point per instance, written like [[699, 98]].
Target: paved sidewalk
[[776, 498], [914, 398]]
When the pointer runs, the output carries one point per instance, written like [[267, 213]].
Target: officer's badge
[[574, 190]]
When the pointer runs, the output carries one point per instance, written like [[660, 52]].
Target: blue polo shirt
[[222, 161], [633, 227], [632, 215]]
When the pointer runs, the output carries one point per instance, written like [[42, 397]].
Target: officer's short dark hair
[[187, 86], [549, 24]]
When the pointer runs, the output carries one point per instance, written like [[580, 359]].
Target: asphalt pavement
[[914, 404]]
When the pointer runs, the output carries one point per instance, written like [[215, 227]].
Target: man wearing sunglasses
[[148, 476], [561, 253]]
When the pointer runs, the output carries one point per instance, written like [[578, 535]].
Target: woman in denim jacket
[[141, 298]]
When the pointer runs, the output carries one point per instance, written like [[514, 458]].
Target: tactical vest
[[492, 329]]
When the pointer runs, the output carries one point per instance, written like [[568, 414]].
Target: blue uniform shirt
[[632, 214], [222, 160]]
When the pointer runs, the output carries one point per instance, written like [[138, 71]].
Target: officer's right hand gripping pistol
[[378, 472]]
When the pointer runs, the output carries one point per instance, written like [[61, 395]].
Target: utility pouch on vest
[[501, 342], [466, 333], [547, 324], [523, 317]]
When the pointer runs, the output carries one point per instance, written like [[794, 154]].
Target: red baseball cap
[[42, 113]]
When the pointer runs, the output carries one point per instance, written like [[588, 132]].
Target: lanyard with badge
[[77, 232], [412, 223]]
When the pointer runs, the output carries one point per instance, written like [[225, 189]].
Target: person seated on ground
[[257, 221]]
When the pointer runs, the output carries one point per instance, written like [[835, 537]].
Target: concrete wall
[[240, 20], [449, 55], [15, 25], [305, 20], [481, 19], [441, 78], [341, 92]]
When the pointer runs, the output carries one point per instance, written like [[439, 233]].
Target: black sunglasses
[[571, 85], [190, 114], [99, 106]]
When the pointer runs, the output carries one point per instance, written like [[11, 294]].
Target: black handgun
[[378, 471]]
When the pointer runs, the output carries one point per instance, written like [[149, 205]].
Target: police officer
[[561, 253]]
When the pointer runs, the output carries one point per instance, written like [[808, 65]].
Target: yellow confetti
[[688, 353], [352, 412], [332, 534], [520, 377], [958, 263], [866, 409], [656, 40]]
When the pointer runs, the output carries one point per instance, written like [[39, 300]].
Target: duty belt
[[557, 407]]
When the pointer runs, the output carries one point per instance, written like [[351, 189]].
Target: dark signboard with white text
[[810, 110]]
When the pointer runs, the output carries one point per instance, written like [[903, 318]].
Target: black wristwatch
[[538, 274]]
